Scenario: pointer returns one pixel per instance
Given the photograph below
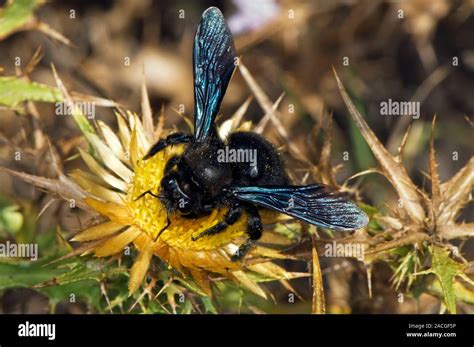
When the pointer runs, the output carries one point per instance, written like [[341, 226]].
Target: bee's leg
[[173, 139], [254, 232], [232, 216], [171, 163]]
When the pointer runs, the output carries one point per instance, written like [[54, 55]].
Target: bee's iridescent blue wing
[[314, 204], [214, 61]]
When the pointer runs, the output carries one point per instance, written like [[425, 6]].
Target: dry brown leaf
[[62, 187], [392, 169], [456, 192]]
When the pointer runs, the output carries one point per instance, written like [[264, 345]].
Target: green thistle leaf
[[14, 91], [446, 270], [16, 15]]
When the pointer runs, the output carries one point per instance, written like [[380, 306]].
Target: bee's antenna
[[158, 196]]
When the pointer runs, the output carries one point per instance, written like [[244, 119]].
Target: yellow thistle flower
[[118, 177]]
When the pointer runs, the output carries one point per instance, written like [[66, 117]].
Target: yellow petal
[[135, 153], [246, 126], [112, 140], [136, 124], [234, 121], [174, 259], [140, 268], [272, 270], [87, 183], [147, 115], [248, 283], [110, 159], [98, 231], [97, 169], [124, 131], [141, 241], [117, 213], [269, 253], [225, 129], [117, 243]]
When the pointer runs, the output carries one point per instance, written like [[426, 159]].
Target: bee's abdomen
[[258, 162]]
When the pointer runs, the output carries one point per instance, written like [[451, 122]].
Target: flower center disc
[[149, 213]]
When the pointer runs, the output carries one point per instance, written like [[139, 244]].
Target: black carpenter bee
[[199, 181]]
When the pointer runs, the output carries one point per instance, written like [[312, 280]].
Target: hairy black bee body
[[203, 165], [244, 172], [198, 181], [269, 169]]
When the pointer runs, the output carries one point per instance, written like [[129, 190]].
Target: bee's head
[[180, 193]]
